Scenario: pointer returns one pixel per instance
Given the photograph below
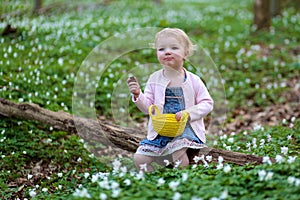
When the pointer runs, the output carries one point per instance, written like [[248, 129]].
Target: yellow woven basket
[[166, 124]]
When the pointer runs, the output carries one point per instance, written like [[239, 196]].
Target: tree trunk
[[104, 132], [37, 5], [262, 15], [275, 7]]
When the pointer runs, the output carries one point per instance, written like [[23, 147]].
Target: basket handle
[[185, 114], [155, 110]]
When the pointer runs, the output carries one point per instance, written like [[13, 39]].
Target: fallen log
[[104, 132]]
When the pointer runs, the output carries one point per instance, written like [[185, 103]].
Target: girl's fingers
[[178, 115], [134, 88]]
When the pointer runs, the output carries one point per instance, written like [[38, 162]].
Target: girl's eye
[[174, 48], [161, 49]]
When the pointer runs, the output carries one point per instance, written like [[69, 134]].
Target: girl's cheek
[[173, 52], [158, 54]]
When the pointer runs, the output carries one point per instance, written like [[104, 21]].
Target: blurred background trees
[[263, 10]]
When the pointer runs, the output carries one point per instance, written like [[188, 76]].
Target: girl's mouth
[[168, 58]]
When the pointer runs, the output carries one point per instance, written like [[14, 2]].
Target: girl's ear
[[186, 53]]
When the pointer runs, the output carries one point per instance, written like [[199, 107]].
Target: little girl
[[172, 89]]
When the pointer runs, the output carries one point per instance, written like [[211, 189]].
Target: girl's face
[[170, 52]]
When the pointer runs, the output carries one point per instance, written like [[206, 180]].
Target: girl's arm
[[144, 100], [203, 102]]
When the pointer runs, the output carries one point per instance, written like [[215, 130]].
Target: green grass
[[39, 64]]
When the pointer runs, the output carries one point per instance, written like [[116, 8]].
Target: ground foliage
[[260, 73]]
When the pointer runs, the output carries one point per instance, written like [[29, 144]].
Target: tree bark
[[275, 7], [37, 5], [103, 132], [262, 15]]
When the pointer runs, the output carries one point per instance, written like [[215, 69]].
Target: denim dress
[[174, 102]]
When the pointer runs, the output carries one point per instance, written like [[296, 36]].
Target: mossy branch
[[104, 132]]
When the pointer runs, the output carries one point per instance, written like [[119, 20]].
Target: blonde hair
[[180, 35]]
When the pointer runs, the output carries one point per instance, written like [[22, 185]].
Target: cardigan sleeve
[[145, 99], [203, 101]]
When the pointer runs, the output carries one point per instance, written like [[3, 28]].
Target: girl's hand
[[134, 86], [178, 115]]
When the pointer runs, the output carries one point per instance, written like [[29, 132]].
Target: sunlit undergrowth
[[39, 64]]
